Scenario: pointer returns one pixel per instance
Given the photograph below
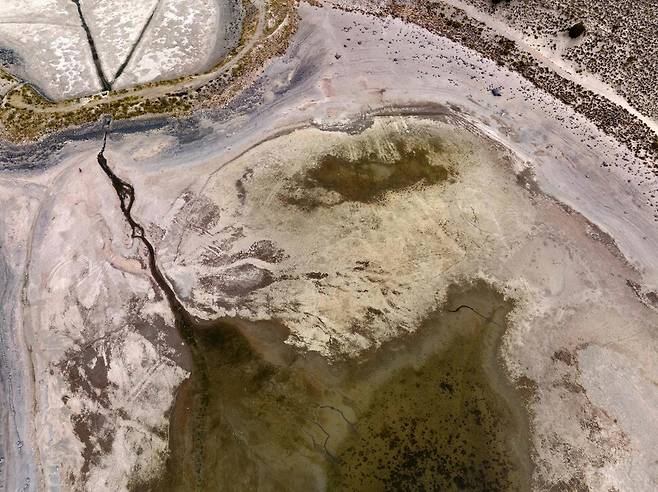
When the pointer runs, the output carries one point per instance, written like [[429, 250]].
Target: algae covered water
[[441, 423], [430, 411]]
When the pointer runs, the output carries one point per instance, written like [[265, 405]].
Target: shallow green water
[[431, 410], [434, 427]]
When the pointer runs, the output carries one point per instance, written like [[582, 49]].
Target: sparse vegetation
[[28, 115]]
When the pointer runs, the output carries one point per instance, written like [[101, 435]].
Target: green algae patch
[[431, 410], [370, 172], [437, 427], [368, 178]]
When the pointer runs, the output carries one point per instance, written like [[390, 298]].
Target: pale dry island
[[328, 245]]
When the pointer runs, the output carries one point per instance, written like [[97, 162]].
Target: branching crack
[[105, 84], [135, 44], [349, 423], [488, 319], [329, 454]]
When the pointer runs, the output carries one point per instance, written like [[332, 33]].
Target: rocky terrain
[[616, 46], [401, 245]]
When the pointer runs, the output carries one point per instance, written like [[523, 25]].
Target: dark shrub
[[576, 30]]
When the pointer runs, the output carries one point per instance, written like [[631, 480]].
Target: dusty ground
[[251, 219]]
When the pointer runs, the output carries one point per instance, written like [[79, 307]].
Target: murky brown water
[[370, 170], [432, 410]]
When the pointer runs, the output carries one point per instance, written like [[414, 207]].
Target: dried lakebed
[[311, 316], [322, 233], [386, 260], [432, 409]]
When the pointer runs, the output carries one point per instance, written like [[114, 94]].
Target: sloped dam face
[[431, 411]]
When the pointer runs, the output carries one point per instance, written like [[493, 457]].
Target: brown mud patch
[[369, 172], [90, 428], [430, 410]]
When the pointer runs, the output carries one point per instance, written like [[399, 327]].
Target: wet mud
[[431, 411], [448, 421], [371, 171]]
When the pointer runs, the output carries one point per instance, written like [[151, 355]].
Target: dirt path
[[554, 62]]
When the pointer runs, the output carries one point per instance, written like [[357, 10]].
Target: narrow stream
[[184, 322], [126, 194]]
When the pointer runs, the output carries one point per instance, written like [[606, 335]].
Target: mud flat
[[352, 256], [432, 409], [51, 44]]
